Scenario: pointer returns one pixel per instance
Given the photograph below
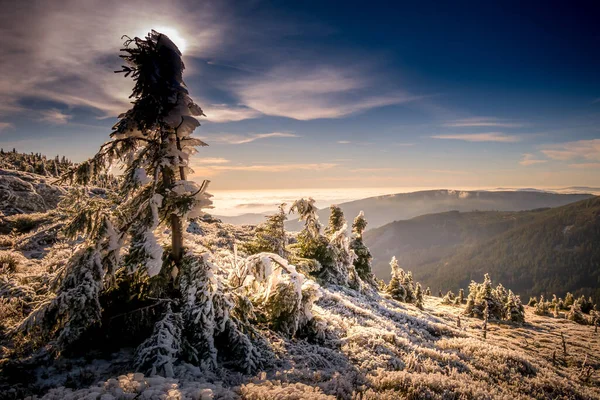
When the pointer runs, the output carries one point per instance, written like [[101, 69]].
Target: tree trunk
[[176, 239], [175, 222]]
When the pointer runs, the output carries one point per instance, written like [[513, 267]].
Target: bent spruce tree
[[152, 142]]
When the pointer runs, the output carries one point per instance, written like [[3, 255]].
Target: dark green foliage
[[270, 236], [569, 300], [539, 251], [402, 286], [362, 262], [576, 315], [336, 220]]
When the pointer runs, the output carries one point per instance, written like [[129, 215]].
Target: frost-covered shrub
[[448, 298], [281, 296], [9, 262], [23, 223], [576, 314], [532, 301]]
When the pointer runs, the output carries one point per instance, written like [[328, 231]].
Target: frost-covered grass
[[366, 346]]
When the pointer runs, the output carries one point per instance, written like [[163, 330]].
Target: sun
[[173, 34]]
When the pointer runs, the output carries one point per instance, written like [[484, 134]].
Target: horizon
[[299, 95], [232, 203]]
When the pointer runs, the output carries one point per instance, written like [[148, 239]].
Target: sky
[[326, 94]]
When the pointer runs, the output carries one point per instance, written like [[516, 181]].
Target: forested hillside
[[382, 210], [539, 251]]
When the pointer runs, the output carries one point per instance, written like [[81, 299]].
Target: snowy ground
[[376, 348], [369, 347]]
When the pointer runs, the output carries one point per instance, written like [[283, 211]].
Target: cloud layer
[[480, 137]]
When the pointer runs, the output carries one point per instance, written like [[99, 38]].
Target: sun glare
[[172, 33]]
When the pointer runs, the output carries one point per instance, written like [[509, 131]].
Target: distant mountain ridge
[[381, 210], [538, 251]]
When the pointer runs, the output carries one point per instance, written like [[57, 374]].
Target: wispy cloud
[[585, 165], [306, 92], [230, 138], [54, 116], [6, 125], [226, 113], [579, 149], [530, 159], [481, 137], [482, 122], [354, 143], [66, 51], [209, 160], [373, 170], [211, 170]]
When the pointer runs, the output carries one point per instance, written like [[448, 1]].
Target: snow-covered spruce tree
[[419, 296], [514, 308], [569, 300], [270, 236], [152, 141], [395, 288], [311, 253], [482, 296], [576, 315], [362, 262], [336, 220], [542, 306], [461, 296]]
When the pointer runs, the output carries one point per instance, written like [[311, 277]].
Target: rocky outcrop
[[23, 192]]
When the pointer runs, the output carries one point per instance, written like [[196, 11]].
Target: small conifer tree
[[419, 296], [395, 288], [362, 262], [270, 236], [569, 300]]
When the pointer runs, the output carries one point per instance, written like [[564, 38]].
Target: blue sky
[[326, 94]]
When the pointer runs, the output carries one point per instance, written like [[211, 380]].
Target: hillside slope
[[381, 210], [533, 252]]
